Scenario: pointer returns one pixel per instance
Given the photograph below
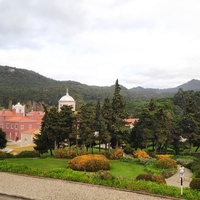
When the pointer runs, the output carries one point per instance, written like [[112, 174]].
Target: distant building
[[28, 136], [66, 100], [20, 126], [14, 122], [13, 126], [131, 121], [19, 108]]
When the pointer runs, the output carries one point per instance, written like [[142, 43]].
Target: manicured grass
[[122, 169], [127, 170], [40, 163]]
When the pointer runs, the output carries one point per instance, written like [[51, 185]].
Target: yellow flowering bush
[[166, 163], [161, 156], [116, 154], [60, 153], [90, 162], [140, 154]]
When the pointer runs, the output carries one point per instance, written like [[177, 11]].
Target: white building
[[66, 100], [19, 108]]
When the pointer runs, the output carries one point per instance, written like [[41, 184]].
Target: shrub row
[[23, 154]]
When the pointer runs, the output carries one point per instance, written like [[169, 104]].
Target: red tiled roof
[[19, 119], [36, 112], [6, 113], [131, 120]]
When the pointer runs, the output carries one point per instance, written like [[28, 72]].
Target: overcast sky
[[148, 43]]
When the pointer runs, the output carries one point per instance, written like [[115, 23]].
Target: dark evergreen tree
[[154, 126], [42, 141], [87, 126], [118, 128], [191, 123], [65, 125], [107, 116], [100, 125], [3, 140]]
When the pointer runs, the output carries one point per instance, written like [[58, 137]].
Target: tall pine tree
[[118, 128]]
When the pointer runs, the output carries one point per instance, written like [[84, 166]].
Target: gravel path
[[175, 179], [28, 187]]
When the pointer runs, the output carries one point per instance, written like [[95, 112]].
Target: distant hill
[[158, 93], [21, 85]]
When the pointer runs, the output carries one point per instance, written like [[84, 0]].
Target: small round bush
[[195, 184], [2, 155], [105, 175], [150, 177], [116, 154], [158, 179], [146, 177], [166, 163], [90, 162], [60, 153]]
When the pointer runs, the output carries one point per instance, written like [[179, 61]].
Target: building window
[[12, 126], [7, 126], [22, 126], [30, 126], [16, 126]]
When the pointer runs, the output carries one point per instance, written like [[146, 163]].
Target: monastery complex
[[21, 127]]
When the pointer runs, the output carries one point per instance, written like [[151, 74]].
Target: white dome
[[67, 97]]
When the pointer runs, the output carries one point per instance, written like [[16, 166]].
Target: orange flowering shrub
[[140, 154], [116, 154], [161, 156], [90, 162], [60, 153], [166, 163]]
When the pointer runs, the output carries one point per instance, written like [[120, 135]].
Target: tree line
[[168, 123], [165, 123], [91, 125]]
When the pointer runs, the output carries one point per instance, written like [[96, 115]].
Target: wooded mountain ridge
[[21, 85]]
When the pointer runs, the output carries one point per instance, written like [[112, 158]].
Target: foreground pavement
[[14, 186]]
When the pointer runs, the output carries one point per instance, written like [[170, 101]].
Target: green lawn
[[123, 169], [40, 163], [128, 170]]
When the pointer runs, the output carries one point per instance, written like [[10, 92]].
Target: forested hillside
[[33, 89]]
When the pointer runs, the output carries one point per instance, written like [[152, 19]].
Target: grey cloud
[[25, 23]]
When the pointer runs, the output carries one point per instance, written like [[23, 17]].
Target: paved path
[[52, 189], [175, 179]]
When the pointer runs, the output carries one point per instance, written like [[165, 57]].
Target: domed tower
[[66, 100]]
